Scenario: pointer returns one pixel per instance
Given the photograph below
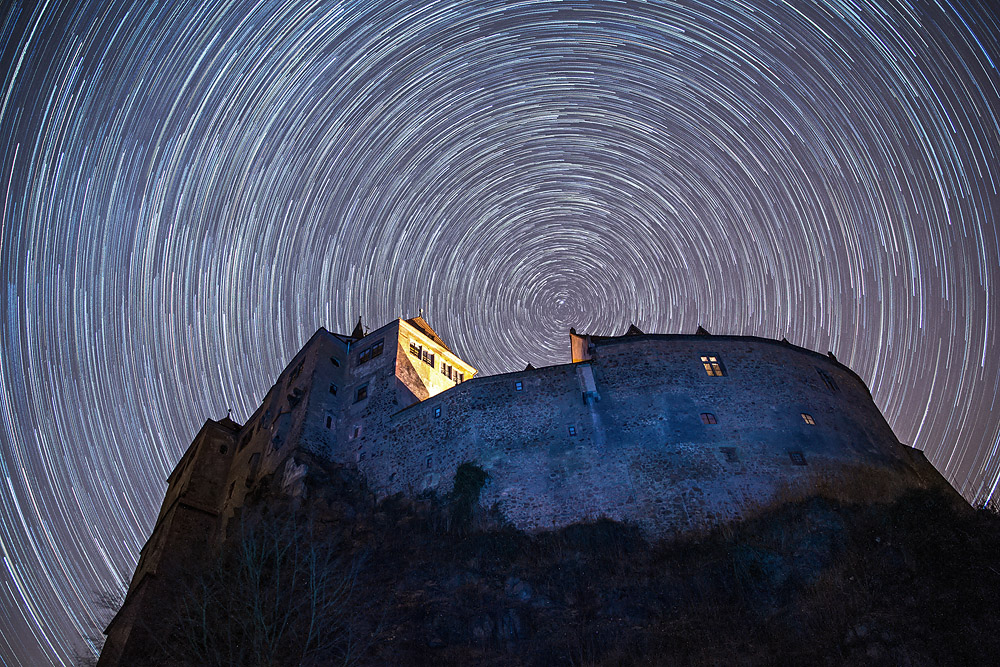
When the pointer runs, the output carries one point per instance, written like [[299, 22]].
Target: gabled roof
[[421, 325]]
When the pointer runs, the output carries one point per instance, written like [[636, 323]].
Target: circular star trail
[[190, 189]]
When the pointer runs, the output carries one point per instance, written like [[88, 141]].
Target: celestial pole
[[191, 188]]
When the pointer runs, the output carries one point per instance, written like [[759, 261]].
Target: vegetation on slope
[[809, 580]]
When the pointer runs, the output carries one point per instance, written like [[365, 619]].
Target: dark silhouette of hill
[[908, 578]]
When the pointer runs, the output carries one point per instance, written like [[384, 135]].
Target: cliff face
[[332, 577]]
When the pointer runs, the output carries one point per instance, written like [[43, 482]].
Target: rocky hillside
[[909, 578]]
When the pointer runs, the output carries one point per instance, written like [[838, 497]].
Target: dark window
[[370, 353], [807, 418], [713, 366], [437, 411], [572, 430], [461, 378], [357, 431], [518, 386], [828, 380], [333, 388], [329, 422], [730, 454], [429, 459], [334, 361], [708, 418], [362, 393], [798, 458]]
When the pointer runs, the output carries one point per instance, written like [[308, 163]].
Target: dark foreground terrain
[[810, 580]]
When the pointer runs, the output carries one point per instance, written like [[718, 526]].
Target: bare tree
[[278, 595]]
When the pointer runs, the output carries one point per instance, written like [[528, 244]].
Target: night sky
[[190, 189]]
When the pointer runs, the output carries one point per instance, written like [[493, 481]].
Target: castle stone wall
[[622, 435]]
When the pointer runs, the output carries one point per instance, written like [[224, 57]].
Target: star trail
[[190, 189]]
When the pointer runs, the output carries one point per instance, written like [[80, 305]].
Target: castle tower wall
[[186, 530]]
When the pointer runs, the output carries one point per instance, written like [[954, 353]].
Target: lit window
[[437, 411], [362, 393], [415, 349], [708, 418], [572, 430], [808, 419], [518, 386], [333, 388], [713, 366], [797, 458]]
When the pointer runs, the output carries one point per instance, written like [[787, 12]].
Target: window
[[461, 378], [437, 411], [333, 388], [729, 453], [828, 380], [797, 458], [808, 419], [427, 357], [329, 421], [713, 366], [370, 353], [572, 430], [415, 349], [518, 386], [429, 460], [357, 432], [335, 362], [708, 418], [361, 394]]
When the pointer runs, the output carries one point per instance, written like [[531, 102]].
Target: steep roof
[[421, 325]]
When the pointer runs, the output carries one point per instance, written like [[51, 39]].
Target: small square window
[[518, 386], [708, 418], [713, 366], [362, 393], [797, 458], [333, 388], [572, 430], [437, 411], [808, 419], [729, 453]]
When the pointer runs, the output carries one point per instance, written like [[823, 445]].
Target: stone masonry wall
[[640, 450]]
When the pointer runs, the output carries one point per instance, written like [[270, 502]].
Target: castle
[[671, 432]]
